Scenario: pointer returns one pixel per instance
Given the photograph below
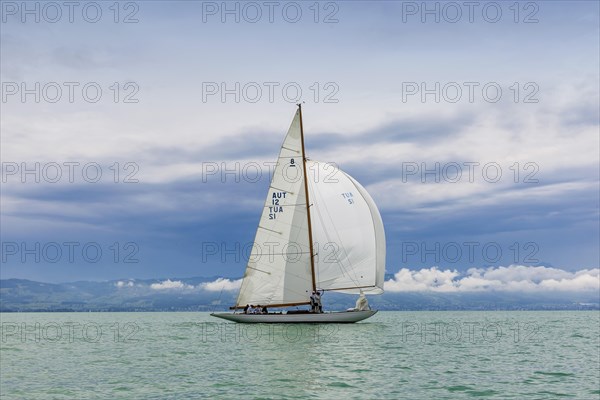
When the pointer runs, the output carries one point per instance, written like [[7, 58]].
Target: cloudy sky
[[131, 135]]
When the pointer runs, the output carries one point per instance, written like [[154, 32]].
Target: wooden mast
[[310, 239]]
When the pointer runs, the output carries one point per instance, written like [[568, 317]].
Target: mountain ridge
[[189, 294]]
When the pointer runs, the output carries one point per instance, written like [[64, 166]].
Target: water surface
[[394, 355]]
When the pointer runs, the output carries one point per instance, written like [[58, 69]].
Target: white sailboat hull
[[336, 317]]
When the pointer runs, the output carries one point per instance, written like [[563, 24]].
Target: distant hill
[[116, 295], [189, 294]]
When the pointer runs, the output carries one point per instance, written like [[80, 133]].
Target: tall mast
[[310, 240]]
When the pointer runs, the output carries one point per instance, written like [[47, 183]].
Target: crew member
[[362, 304], [313, 302], [318, 305]]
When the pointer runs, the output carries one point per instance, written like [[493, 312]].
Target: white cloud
[[222, 284], [121, 284], [511, 278], [169, 284]]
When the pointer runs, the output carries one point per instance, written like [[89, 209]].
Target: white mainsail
[[344, 223], [347, 230], [279, 271]]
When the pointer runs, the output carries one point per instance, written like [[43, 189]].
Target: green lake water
[[393, 355]]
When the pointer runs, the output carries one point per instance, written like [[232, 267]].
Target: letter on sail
[[278, 270]]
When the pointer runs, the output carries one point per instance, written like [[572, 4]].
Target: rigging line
[[352, 287], [286, 205], [287, 148], [213, 307], [259, 270], [286, 272], [267, 229], [242, 288], [284, 254], [282, 190], [221, 293], [267, 299]]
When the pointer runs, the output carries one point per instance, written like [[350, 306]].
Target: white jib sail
[[278, 270], [347, 230]]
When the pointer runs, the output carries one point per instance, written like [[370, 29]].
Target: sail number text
[[349, 197], [275, 207]]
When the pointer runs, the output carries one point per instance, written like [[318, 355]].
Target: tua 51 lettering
[[276, 208], [348, 196]]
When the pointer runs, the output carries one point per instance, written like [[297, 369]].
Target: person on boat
[[246, 309], [264, 310], [362, 304], [318, 305], [313, 301]]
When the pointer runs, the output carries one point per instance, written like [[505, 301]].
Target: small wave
[[554, 394], [340, 384], [459, 388], [554, 373]]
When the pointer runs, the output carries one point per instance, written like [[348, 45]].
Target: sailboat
[[319, 231]]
